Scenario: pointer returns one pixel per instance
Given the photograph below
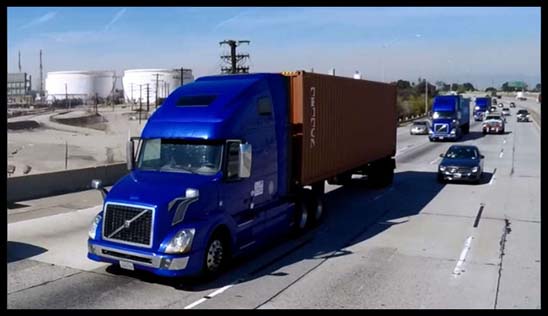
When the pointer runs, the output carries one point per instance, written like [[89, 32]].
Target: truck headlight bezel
[[181, 242], [475, 169], [92, 232], [442, 168]]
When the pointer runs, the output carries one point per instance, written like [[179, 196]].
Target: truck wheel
[[316, 209], [301, 216], [382, 176], [217, 255]]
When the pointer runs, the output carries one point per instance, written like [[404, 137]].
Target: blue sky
[[484, 46]]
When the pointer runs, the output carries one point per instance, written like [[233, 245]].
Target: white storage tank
[[160, 81], [79, 84]]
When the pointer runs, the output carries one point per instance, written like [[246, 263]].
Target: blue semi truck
[[450, 117], [229, 162], [482, 105]]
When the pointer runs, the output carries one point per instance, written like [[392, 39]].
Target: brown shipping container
[[339, 124]]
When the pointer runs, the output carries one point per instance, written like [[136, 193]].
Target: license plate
[[441, 137], [457, 175], [126, 265]]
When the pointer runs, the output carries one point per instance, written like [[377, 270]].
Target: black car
[[461, 163], [512, 105], [522, 115]]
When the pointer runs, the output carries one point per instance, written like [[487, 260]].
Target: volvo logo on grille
[[127, 223], [441, 127]]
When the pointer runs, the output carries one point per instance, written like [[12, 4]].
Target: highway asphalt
[[417, 244]]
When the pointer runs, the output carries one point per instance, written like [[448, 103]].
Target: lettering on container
[[313, 117]]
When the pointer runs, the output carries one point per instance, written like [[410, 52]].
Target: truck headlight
[[93, 227], [454, 121], [181, 242], [475, 169], [430, 131], [442, 168], [453, 131]]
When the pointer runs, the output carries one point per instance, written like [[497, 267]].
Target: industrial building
[[83, 85], [19, 88], [156, 82]]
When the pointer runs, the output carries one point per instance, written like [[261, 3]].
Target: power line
[[235, 61]]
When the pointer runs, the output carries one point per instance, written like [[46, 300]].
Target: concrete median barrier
[[29, 187]]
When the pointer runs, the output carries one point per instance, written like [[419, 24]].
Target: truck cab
[[193, 197], [482, 104], [450, 117]]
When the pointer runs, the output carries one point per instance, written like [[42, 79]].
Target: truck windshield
[[443, 115], [174, 155]]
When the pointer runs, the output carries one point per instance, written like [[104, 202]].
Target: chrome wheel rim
[[214, 255]]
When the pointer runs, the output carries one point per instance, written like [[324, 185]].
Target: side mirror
[[130, 154], [98, 185], [442, 155], [245, 161]]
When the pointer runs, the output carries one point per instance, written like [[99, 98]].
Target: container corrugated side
[[339, 124]]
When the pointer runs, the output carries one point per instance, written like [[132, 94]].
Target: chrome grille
[[128, 224], [454, 169], [441, 128]]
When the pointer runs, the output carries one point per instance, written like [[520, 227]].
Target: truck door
[[237, 198]]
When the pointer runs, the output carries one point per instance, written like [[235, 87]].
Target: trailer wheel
[[316, 208], [301, 215], [381, 175]]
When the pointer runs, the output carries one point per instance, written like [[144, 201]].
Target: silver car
[[419, 128]]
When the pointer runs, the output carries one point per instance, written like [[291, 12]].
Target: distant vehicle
[[521, 96], [494, 101], [450, 117], [512, 105], [501, 104], [499, 96], [506, 111], [492, 109], [461, 162], [493, 123], [419, 128], [522, 115], [482, 104]]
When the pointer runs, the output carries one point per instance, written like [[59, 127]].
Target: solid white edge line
[[492, 179], [434, 161], [462, 257], [501, 153], [200, 301], [206, 297], [219, 291]]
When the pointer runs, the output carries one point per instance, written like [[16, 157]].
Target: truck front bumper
[[442, 136], [159, 264]]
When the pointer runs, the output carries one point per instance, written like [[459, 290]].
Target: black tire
[[381, 175], [316, 209], [301, 218], [440, 179], [217, 255]]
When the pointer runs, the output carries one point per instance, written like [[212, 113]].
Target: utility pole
[[41, 76], [66, 94], [425, 96], [148, 99], [156, 103], [140, 102], [19, 64], [235, 60]]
